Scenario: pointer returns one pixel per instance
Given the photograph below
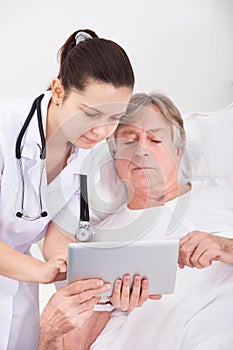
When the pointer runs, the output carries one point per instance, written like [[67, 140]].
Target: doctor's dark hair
[[93, 58]]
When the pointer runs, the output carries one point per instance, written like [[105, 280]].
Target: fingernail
[[99, 283]]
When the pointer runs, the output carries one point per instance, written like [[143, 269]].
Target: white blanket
[[199, 315]]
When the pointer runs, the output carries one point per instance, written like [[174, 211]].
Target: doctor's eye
[[91, 115]]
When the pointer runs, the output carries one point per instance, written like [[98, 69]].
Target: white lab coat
[[19, 315]]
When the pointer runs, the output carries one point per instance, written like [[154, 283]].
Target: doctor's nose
[[104, 130]]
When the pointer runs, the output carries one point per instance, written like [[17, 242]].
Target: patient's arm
[[82, 339], [56, 241], [123, 297], [199, 249]]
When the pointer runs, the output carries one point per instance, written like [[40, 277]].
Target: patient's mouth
[[143, 168]]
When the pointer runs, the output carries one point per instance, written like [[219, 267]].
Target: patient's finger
[[180, 261], [88, 294], [194, 236], [144, 292], [125, 292], [186, 251], [135, 293], [184, 239], [79, 286], [198, 252], [205, 252], [116, 294], [206, 259]]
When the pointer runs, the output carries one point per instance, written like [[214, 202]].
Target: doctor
[[40, 157]]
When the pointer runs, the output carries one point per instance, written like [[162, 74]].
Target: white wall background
[[183, 48]]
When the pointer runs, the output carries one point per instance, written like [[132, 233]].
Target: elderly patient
[[147, 154], [147, 150]]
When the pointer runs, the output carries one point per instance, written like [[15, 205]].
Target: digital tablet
[[156, 260]]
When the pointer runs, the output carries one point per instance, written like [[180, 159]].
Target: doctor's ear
[[58, 91], [179, 153]]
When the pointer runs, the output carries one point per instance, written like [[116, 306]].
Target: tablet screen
[[156, 260]]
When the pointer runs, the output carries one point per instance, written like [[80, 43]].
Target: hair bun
[[81, 36]]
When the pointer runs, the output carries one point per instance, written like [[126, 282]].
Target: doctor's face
[[90, 116], [145, 154]]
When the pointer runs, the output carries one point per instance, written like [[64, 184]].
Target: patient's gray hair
[[167, 109]]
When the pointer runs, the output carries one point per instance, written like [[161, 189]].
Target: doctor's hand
[[126, 298], [199, 249], [68, 309], [53, 270]]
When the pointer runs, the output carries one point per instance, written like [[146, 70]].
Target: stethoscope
[[84, 232]]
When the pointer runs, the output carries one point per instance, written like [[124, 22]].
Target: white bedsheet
[[199, 315]]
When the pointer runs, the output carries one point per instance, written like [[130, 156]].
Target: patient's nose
[[141, 149]]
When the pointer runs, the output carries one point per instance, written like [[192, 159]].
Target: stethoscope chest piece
[[84, 233]]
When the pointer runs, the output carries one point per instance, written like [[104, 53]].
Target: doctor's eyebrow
[[89, 107]]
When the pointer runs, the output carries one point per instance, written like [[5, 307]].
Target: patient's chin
[[148, 179], [149, 184]]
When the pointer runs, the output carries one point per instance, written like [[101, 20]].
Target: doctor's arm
[[22, 267], [56, 241]]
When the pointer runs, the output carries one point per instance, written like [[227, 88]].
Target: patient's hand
[[126, 298], [199, 249]]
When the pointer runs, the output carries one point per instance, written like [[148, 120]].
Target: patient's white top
[[199, 314], [207, 207]]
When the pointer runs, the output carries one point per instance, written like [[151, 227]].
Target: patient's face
[[145, 153]]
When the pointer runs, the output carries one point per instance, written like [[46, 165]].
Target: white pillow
[[209, 146]]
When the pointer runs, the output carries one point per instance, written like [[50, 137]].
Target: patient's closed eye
[[156, 141], [128, 142]]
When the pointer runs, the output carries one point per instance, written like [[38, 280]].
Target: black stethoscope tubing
[[84, 232], [84, 208], [36, 106]]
